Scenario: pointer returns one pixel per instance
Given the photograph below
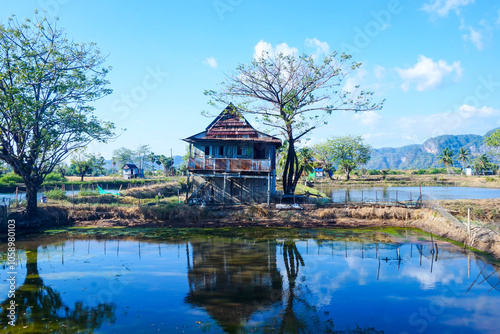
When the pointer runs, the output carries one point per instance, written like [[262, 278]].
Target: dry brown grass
[[165, 189], [257, 211], [96, 212], [325, 213], [484, 209], [369, 213], [172, 212]]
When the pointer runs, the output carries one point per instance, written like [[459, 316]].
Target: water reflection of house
[[233, 279], [232, 162]]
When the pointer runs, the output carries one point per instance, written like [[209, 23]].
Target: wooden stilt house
[[231, 162]]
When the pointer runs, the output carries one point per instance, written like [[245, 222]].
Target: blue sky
[[436, 62]]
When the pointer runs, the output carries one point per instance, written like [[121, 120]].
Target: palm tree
[[481, 163], [463, 156], [446, 158]]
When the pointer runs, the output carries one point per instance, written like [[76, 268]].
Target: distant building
[[131, 171], [231, 162]]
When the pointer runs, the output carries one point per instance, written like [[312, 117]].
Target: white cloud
[[467, 119], [475, 37], [379, 72], [480, 36], [427, 74], [367, 118], [321, 47], [211, 61], [443, 7], [264, 48]]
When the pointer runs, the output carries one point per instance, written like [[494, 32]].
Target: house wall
[[233, 150], [238, 189]]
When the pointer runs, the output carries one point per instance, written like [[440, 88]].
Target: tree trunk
[[31, 199], [289, 170], [347, 174]]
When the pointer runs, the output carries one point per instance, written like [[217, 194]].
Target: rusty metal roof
[[230, 125]]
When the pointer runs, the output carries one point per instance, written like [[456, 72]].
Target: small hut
[[231, 162], [131, 171]]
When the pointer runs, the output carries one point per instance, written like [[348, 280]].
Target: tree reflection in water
[[234, 280], [40, 308]]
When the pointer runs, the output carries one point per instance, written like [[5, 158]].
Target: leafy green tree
[[293, 95], [62, 169], [463, 156], [47, 83], [481, 163], [154, 159], [305, 157], [348, 152], [123, 156], [167, 163], [493, 141], [446, 158], [87, 163]]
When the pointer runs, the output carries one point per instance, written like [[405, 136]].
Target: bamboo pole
[[468, 220]]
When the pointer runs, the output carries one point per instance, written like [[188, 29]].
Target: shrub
[[490, 179], [54, 177], [374, 172], [56, 193], [11, 179], [88, 192]]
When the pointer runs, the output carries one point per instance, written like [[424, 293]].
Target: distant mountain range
[[426, 154]]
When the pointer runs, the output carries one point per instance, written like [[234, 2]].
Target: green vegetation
[[56, 194], [348, 153], [10, 180], [48, 83], [446, 158]]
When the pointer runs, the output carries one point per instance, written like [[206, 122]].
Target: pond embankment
[[309, 217]]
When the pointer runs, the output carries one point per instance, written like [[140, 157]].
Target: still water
[[372, 194], [260, 281]]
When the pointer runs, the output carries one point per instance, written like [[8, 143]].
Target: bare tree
[[293, 95]]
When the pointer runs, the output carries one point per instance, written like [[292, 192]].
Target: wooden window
[[207, 150], [221, 151], [239, 151]]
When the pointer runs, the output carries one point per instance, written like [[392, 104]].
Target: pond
[[5, 197], [391, 194], [259, 281]]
